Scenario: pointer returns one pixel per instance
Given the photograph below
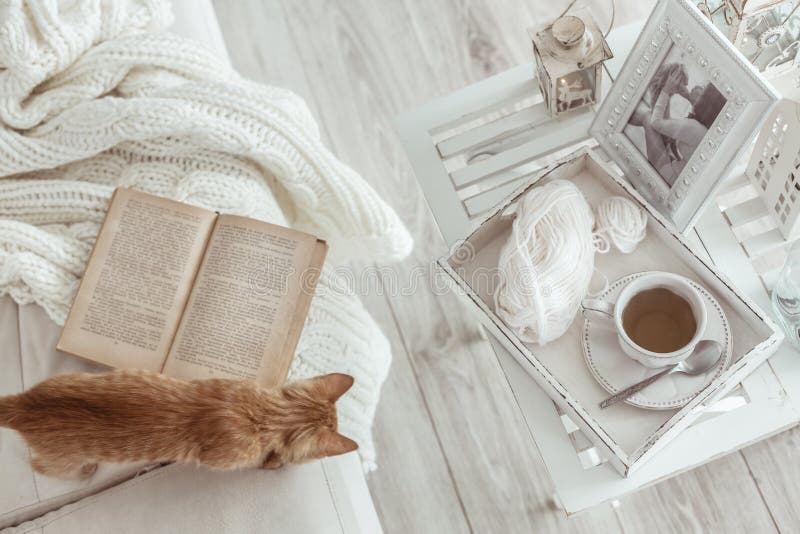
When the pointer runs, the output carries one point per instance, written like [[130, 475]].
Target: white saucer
[[615, 371]]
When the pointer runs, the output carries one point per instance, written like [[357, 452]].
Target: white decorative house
[[774, 167]]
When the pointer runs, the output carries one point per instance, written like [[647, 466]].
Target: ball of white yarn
[[547, 263], [621, 222]]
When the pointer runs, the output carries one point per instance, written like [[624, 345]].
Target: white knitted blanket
[[92, 97]]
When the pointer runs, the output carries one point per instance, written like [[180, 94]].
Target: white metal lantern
[[569, 59], [767, 32], [774, 168]]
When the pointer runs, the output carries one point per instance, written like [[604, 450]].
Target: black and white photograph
[[674, 114]]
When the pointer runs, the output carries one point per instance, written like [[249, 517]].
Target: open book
[[178, 289]]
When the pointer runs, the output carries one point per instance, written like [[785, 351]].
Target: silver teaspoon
[[705, 355]]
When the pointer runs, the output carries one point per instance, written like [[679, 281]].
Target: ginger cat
[[73, 422]]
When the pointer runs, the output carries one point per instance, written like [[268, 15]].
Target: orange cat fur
[[73, 422]]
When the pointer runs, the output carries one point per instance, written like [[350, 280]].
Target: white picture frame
[[686, 163]]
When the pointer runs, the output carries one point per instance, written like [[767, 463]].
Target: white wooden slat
[[770, 275], [416, 127], [580, 441], [569, 425], [770, 279], [746, 212], [730, 258], [780, 377], [485, 201], [485, 102], [735, 195], [568, 130], [733, 401], [763, 243], [737, 182], [524, 119], [504, 184], [590, 458], [770, 261], [547, 138], [498, 180]]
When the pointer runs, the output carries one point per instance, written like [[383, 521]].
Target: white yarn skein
[[547, 263], [621, 222]]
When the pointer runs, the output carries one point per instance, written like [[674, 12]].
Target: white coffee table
[[471, 148]]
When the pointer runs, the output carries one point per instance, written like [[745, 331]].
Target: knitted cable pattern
[[92, 97]]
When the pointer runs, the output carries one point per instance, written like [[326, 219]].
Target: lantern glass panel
[[576, 89]]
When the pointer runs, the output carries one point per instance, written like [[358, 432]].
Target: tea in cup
[[659, 318]]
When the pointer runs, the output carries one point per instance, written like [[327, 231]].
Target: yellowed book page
[[310, 279], [137, 282], [243, 303]]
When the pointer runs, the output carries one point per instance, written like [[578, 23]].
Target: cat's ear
[[335, 385], [333, 444]]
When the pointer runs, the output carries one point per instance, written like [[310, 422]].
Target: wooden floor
[[453, 452]]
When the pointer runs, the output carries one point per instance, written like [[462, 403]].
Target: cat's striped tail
[[8, 410]]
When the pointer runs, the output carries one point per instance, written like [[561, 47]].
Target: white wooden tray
[[626, 435]]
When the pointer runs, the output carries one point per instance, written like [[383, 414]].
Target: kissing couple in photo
[[675, 119]]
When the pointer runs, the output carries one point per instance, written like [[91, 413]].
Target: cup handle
[[597, 309]]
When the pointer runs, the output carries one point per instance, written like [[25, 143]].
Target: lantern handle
[[611, 22], [613, 16]]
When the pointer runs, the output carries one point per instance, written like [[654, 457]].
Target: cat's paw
[[87, 470], [272, 461]]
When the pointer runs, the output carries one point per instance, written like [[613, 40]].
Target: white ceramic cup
[[612, 313]]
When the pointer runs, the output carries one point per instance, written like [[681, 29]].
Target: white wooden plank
[[580, 441], [519, 83], [746, 212], [590, 458], [731, 260], [569, 425], [771, 260], [485, 201], [524, 119], [763, 243], [547, 138], [568, 130], [736, 183], [733, 401], [770, 279]]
